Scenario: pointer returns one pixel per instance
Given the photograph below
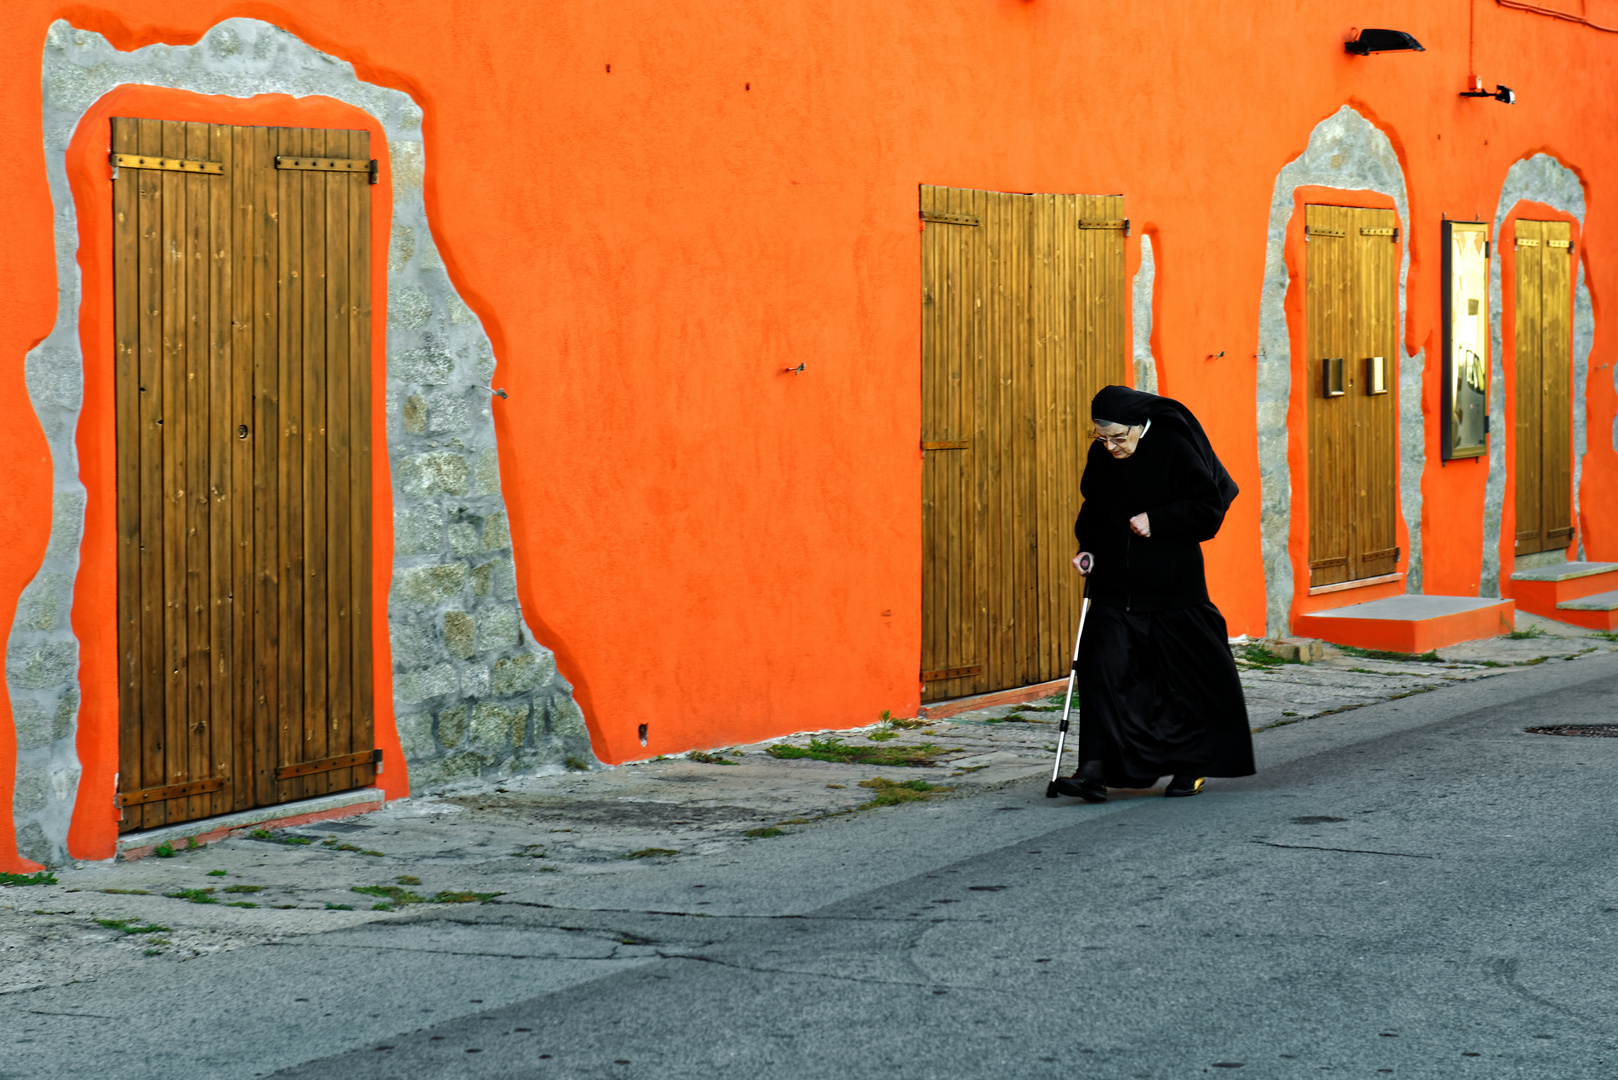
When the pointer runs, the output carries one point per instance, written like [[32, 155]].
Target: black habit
[[1158, 689]]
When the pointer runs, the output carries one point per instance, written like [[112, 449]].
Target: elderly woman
[[1157, 686]]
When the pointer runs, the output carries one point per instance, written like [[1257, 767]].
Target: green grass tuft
[[128, 926], [338, 907], [127, 892], [196, 896], [165, 850], [448, 897], [707, 757], [649, 853], [1525, 635], [218, 873], [244, 888], [44, 877], [892, 793], [760, 834], [577, 764], [920, 756], [393, 894]]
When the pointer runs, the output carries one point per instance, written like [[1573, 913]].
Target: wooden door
[[1544, 381], [1352, 313], [1022, 322], [241, 368]]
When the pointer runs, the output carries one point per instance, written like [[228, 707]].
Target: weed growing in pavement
[[964, 769], [165, 850], [196, 896], [466, 897], [882, 736], [649, 853], [920, 756], [760, 834], [1606, 635], [393, 894], [1428, 657], [577, 764], [909, 723], [338, 907], [265, 834], [1259, 656], [335, 846], [242, 903], [153, 952], [892, 793], [1524, 635], [408, 879], [128, 927], [44, 877], [708, 757], [244, 888], [218, 873], [127, 892]]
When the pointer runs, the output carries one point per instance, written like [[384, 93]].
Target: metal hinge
[[1561, 244], [1380, 230], [949, 219], [1106, 223], [1487, 247], [342, 761], [1524, 241], [368, 167], [952, 444], [1321, 230], [141, 161]]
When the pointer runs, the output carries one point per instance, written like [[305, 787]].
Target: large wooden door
[[242, 333], [1022, 322], [1352, 314], [1544, 379]]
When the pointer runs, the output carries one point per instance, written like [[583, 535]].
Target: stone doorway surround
[[474, 695]]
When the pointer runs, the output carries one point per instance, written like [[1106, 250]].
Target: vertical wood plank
[[127, 319], [338, 627], [359, 514], [242, 173], [316, 579], [171, 424]]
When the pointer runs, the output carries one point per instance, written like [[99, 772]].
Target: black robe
[[1158, 690]]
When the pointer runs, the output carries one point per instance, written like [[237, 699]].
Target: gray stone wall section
[[1542, 179], [475, 695], [1145, 278], [1345, 151]]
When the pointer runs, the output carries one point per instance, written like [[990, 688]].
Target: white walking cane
[[1067, 706]]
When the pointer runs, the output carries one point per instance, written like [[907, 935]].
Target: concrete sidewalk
[[563, 837]]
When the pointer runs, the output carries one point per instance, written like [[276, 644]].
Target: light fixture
[[1374, 41], [1505, 95]]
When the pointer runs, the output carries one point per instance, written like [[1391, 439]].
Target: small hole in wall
[[643, 734]]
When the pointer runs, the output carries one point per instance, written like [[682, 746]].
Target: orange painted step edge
[[1541, 597], [291, 821], [1410, 635], [1015, 696]]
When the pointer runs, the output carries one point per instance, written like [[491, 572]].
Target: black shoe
[[1079, 788], [1183, 787]]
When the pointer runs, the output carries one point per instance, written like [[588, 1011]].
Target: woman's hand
[[1084, 562], [1139, 525]]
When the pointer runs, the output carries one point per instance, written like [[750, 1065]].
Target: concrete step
[[1410, 624], [1541, 591], [1598, 611]]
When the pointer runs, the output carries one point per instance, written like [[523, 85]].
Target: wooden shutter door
[[1544, 359], [242, 324], [1375, 307], [1327, 273], [1022, 321], [1351, 312]]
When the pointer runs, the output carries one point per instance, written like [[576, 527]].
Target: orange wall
[[710, 546]]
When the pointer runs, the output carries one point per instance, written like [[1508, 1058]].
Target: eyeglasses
[[1114, 442]]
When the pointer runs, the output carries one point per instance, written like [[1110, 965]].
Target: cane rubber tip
[[1050, 790]]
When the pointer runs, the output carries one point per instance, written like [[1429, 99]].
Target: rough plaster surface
[[1542, 179], [1345, 151], [1145, 277], [475, 695]]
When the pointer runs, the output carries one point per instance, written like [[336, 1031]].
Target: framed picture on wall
[[1466, 339]]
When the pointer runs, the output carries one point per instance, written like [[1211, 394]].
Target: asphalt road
[[1417, 888]]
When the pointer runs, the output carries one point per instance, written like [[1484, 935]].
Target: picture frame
[[1466, 324]]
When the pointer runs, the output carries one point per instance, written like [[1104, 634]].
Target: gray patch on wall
[[1542, 179], [474, 694], [1145, 278], [1345, 151]]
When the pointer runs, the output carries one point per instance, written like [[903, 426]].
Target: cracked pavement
[[1410, 879]]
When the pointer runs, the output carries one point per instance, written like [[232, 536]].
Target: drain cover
[[1598, 731]]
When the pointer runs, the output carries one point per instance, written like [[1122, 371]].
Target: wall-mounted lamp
[[1505, 95], [1373, 41]]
